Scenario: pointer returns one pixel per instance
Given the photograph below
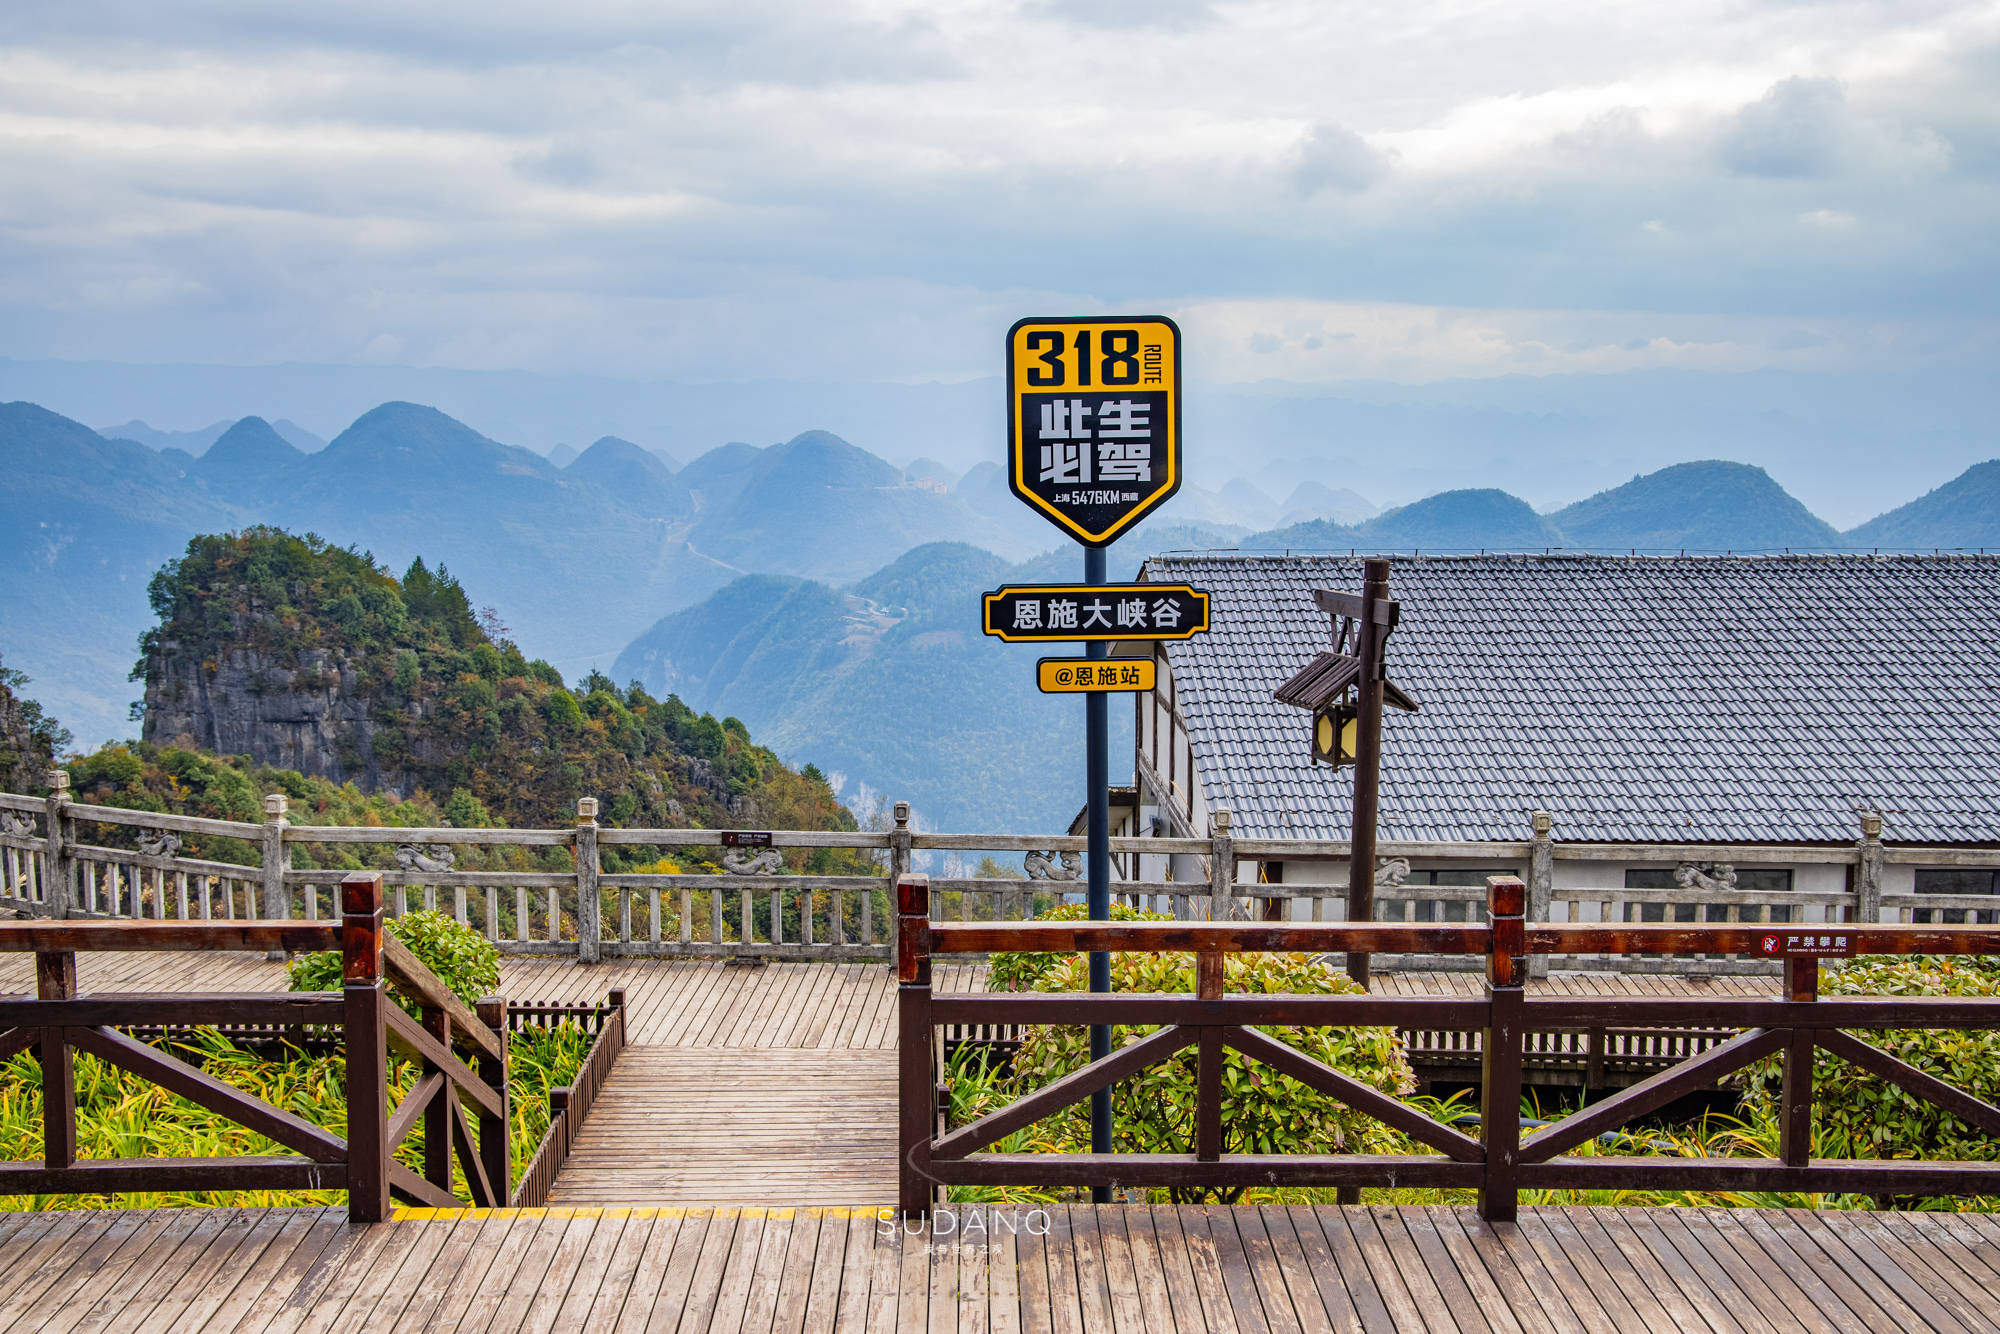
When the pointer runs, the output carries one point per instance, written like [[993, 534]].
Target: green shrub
[[463, 959], [123, 1115], [1022, 971], [1262, 1111], [1859, 1115]]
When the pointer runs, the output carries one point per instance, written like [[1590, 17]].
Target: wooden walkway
[[1069, 1270]]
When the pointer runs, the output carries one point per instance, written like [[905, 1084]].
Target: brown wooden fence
[[460, 1096], [1500, 1162], [568, 1107]]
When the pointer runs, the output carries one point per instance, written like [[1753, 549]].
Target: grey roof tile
[[1752, 699]]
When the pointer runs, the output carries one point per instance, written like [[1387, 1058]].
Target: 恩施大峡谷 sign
[[1056, 613], [1094, 420], [1064, 676]]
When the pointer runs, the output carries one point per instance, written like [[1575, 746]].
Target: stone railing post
[[899, 866], [589, 912], [277, 858], [59, 888], [1868, 877], [899, 842], [1222, 868], [1541, 882]]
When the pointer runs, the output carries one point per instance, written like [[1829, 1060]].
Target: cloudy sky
[[1319, 192]]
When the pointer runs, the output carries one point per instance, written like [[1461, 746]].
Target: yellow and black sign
[[1059, 613], [1094, 420], [1065, 676]]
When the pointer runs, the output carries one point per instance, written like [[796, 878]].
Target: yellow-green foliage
[[120, 1115], [1262, 1110]]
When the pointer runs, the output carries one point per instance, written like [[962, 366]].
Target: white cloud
[[752, 189]]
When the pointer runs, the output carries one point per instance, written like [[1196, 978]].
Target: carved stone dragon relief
[[1042, 866], [1705, 875], [748, 861], [433, 857], [158, 843]]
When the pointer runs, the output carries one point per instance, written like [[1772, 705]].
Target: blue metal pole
[[1097, 737]]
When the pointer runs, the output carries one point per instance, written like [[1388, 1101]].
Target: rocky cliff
[[309, 710], [312, 658]]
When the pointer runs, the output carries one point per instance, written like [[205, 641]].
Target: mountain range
[[584, 560]]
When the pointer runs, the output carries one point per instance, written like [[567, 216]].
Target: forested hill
[[309, 657], [29, 739]]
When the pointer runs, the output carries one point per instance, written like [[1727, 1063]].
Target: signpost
[[1094, 446], [1087, 612], [1060, 676], [1094, 421]]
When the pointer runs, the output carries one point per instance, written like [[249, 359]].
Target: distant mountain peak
[[1964, 512], [253, 443], [633, 476], [1702, 505]]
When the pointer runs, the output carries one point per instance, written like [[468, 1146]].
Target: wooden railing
[[55, 860], [459, 1098], [1500, 1162], [570, 1106]]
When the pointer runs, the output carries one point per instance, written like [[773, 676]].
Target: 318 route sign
[[1094, 420], [1062, 613]]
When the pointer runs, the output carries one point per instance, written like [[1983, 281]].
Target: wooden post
[[1367, 761], [1541, 882], [915, 1117], [366, 996], [438, 1115], [589, 929], [1500, 1058], [1868, 877], [559, 1117], [1795, 1092], [1208, 981], [55, 979], [493, 1156], [59, 889]]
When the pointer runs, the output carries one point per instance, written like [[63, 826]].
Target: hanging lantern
[[1334, 734]]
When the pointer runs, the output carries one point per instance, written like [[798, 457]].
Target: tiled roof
[[1714, 699]]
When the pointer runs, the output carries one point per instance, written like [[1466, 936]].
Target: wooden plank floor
[[1130, 1269], [729, 1125]]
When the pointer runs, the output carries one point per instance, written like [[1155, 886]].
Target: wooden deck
[[1083, 1269]]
